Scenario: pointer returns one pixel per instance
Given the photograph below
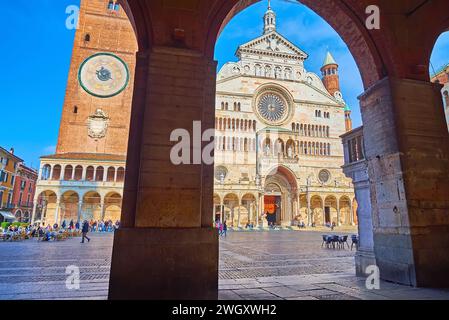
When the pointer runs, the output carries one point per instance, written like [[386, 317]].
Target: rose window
[[272, 108]]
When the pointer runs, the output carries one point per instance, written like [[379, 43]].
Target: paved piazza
[[253, 265]]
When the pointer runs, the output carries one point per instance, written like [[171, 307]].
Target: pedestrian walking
[[85, 230], [225, 228], [220, 228]]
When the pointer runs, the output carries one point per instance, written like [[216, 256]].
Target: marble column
[[80, 210]]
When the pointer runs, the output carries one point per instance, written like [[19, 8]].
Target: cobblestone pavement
[[253, 265]]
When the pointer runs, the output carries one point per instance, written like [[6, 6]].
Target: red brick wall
[[109, 32]]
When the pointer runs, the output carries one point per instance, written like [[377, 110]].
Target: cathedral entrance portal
[[280, 197], [272, 209]]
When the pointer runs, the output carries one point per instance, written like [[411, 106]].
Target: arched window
[[78, 173], [111, 174], [87, 37], [254, 125], [226, 106], [56, 172], [117, 7], [239, 107], [68, 173], [111, 5], [90, 173], [222, 106], [100, 174], [120, 174], [46, 169]]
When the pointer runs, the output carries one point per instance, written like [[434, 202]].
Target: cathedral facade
[[278, 153], [278, 150]]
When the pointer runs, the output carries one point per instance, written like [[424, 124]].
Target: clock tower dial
[[103, 75]]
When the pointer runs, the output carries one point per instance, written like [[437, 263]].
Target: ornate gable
[[272, 44]]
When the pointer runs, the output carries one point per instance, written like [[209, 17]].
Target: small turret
[[329, 71], [348, 120], [269, 20]]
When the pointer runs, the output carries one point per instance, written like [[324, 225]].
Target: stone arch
[[91, 207], [46, 170], [78, 173], [68, 171], [363, 46], [248, 209], [90, 173], [69, 205], [112, 207], [56, 172], [110, 175], [120, 174], [231, 203], [99, 174], [46, 207], [316, 205], [345, 210], [331, 209]]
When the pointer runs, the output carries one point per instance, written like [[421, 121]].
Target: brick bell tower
[[348, 120], [97, 105], [329, 71]]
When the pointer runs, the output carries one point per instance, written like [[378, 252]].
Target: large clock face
[[272, 108], [103, 75]]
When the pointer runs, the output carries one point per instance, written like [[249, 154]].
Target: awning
[[8, 216]]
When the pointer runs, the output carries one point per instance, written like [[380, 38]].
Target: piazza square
[[227, 150]]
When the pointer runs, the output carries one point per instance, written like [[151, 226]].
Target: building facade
[[278, 150], [23, 193], [277, 131], [442, 77], [84, 179], [9, 164]]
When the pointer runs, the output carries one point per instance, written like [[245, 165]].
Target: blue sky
[[36, 51]]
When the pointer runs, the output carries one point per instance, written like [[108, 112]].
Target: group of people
[[93, 225], [222, 228], [50, 232]]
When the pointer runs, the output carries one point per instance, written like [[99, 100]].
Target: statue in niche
[[290, 152], [267, 149]]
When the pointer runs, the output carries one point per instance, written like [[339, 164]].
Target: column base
[[363, 259], [164, 264]]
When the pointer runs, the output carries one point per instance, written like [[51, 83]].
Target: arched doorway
[[69, 207], [112, 207], [317, 212], [231, 209], [47, 207], [331, 210], [91, 208], [248, 210], [279, 196], [346, 217]]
